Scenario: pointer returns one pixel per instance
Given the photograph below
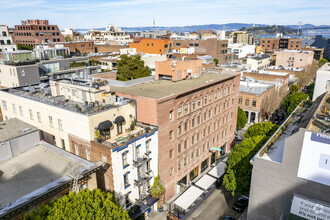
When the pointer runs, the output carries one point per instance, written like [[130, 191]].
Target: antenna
[[154, 24]]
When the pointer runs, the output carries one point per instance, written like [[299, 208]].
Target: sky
[[136, 13]]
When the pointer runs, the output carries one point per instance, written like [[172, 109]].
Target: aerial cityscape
[[181, 110]]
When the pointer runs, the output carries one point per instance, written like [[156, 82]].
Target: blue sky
[[134, 13]]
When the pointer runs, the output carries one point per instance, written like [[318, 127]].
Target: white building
[[184, 36], [259, 62], [241, 50], [112, 33], [221, 34], [6, 41], [322, 82]]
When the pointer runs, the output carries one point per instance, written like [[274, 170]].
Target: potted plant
[[98, 136], [157, 190], [133, 124]]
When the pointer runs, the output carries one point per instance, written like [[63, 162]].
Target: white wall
[[322, 78]]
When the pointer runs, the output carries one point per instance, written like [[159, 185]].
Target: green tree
[[68, 38], [241, 118], [259, 129], [294, 88], [131, 68], [216, 61], [293, 100], [310, 90], [157, 189], [323, 61], [85, 204], [24, 47]]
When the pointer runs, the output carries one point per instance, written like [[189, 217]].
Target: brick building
[[192, 116], [152, 46], [77, 47], [294, 58], [32, 32], [103, 48], [177, 70], [280, 43], [216, 48]]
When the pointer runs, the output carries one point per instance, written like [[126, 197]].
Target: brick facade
[[108, 48]]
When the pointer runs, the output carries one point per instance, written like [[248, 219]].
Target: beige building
[[259, 62], [14, 75], [294, 58]]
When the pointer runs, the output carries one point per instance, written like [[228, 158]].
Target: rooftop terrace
[[163, 88]]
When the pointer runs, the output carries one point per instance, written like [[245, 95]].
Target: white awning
[[218, 170], [206, 182], [188, 197]]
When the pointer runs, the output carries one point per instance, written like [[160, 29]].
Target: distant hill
[[194, 28], [270, 30]]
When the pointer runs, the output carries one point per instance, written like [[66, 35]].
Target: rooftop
[[267, 72], [280, 67], [260, 57], [29, 174], [13, 128], [42, 93], [296, 51], [254, 87], [325, 67], [163, 88]]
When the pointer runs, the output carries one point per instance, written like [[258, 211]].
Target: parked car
[[241, 204], [229, 217]]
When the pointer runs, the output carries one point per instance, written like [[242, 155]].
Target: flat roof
[[254, 87], [34, 170], [13, 128], [267, 72], [163, 88]]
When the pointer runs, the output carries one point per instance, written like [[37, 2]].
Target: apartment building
[[216, 48], [111, 33], [294, 58], [322, 81], [292, 71], [241, 50], [176, 70], [192, 116], [253, 97], [87, 119], [280, 43], [291, 176], [152, 46], [241, 37], [32, 32], [6, 40], [77, 47], [258, 62]]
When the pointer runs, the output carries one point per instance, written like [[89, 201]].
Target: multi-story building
[[319, 42], [258, 62], [86, 118], [253, 97], [176, 70], [32, 32], [70, 35], [192, 116], [6, 40], [292, 71], [216, 48], [77, 47], [241, 50], [152, 46], [322, 81], [184, 36], [111, 33], [34, 172], [294, 58], [291, 175], [241, 37], [280, 43], [149, 34]]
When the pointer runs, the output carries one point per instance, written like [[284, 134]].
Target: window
[[60, 127], [63, 143], [127, 200], [254, 103], [137, 152], [170, 135], [31, 114], [147, 146], [76, 149], [193, 105], [20, 110], [186, 108], [179, 165], [199, 103], [247, 102], [54, 140], [210, 98], [171, 171], [39, 117], [14, 108], [240, 101], [124, 158], [185, 161], [50, 121], [205, 100], [192, 156], [185, 144], [171, 153], [193, 122], [225, 91], [197, 152], [179, 111], [219, 93], [186, 127], [4, 105], [193, 139], [170, 115], [204, 116], [179, 130], [119, 128], [126, 182], [179, 148], [199, 119], [210, 113]]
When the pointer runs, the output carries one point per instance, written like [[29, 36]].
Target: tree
[[85, 204], [68, 38], [259, 129], [293, 100], [272, 102], [216, 61], [131, 68], [323, 61], [294, 88], [157, 189], [310, 90], [307, 75], [241, 118], [24, 47]]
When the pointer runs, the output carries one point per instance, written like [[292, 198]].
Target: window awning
[[119, 120], [206, 182], [186, 199], [105, 125], [218, 170]]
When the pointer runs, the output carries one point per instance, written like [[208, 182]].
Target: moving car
[[241, 204]]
